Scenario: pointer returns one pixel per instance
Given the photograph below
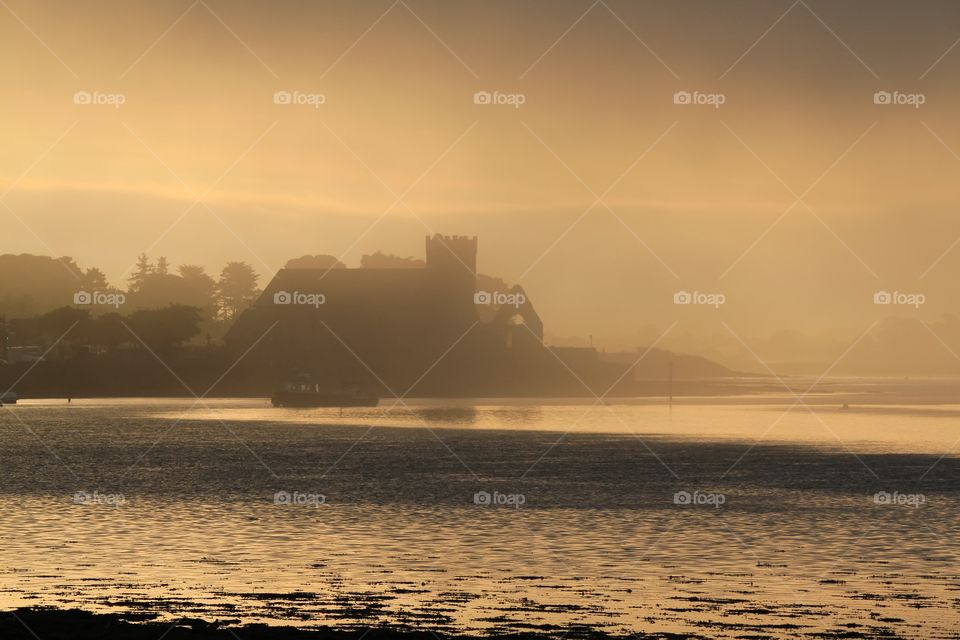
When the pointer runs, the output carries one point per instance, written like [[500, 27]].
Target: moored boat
[[303, 392], [288, 398]]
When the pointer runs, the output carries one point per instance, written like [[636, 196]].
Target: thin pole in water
[[670, 384]]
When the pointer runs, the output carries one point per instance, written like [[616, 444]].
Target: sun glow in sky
[[600, 193]]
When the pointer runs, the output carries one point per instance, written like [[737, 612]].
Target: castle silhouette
[[397, 328]]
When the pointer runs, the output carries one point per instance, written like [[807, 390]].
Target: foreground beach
[[53, 624]]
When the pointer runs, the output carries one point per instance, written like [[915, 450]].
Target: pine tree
[[143, 271], [94, 280], [162, 266], [236, 289]]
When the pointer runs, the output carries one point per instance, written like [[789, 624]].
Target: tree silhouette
[[140, 274], [162, 329], [95, 280], [236, 289], [189, 287], [318, 261], [199, 289], [106, 331], [30, 285], [162, 267], [380, 260]]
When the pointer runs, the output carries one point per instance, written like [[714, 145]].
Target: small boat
[[9, 397], [313, 397]]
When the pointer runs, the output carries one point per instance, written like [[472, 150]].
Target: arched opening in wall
[[516, 323]]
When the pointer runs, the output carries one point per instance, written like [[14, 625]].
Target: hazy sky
[[797, 198]]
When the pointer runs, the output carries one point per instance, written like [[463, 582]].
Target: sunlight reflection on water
[[399, 537]]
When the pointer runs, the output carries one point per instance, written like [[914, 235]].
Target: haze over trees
[[37, 302], [32, 284]]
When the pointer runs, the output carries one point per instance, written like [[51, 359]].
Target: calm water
[[243, 512]]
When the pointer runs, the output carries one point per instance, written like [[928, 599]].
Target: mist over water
[[640, 318], [723, 520]]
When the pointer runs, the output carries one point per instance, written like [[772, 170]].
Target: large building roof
[[350, 285]]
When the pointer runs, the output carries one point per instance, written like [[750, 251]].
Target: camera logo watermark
[[298, 298], [99, 99], [896, 498], [97, 498], [898, 98], [898, 297], [698, 98], [299, 98], [698, 498], [698, 297], [497, 499], [299, 499], [515, 100], [99, 298], [499, 297]]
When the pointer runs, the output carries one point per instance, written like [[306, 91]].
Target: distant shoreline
[[186, 377], [170, 387], [748, 390]]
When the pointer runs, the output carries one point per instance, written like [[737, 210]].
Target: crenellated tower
[[453, 259], [452, 269]]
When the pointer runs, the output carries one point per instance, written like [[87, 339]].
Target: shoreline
[[650, 390], [49, 623], [747, 390]]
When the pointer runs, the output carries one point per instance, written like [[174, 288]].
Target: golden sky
[[798, 197]]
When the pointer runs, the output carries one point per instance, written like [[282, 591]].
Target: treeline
[[41, 297], [33, 285], [70, 332], [153, 285]]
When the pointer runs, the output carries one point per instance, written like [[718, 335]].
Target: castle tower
[[452, 269], [453, 259]]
